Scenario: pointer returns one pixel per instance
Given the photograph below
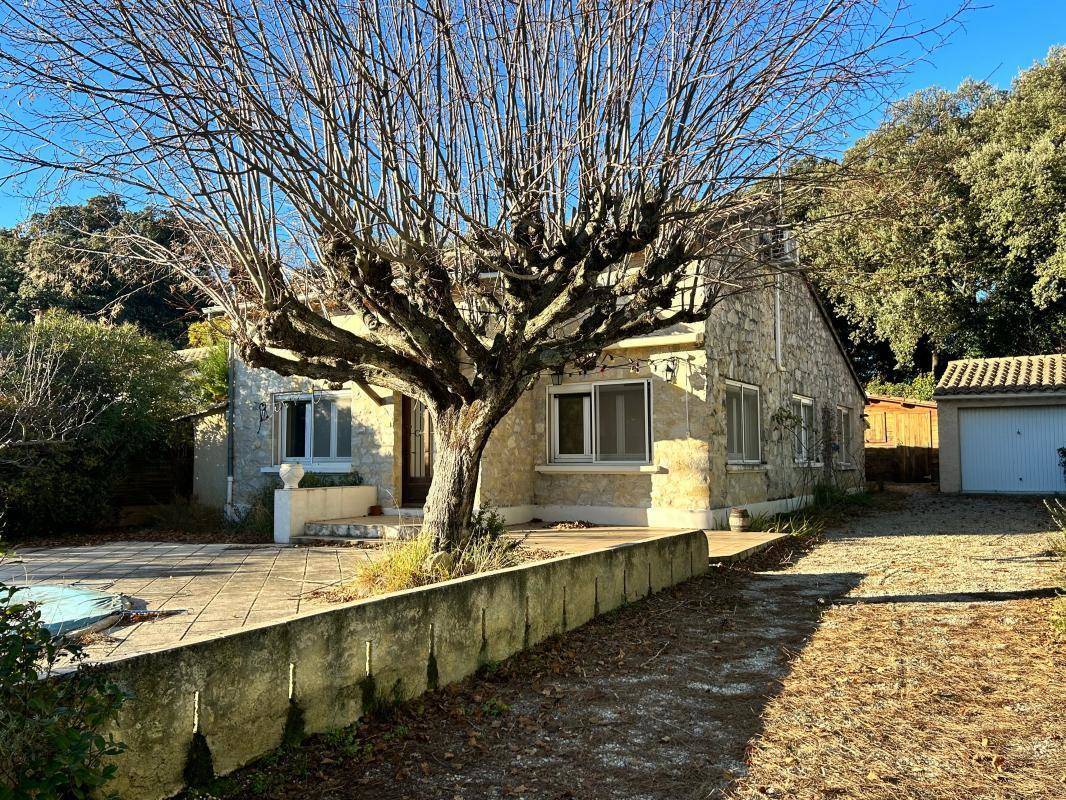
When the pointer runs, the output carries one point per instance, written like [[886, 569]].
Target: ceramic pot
[[739, 520], [291, 474]]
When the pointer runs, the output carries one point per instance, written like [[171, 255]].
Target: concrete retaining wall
[[333, 665]]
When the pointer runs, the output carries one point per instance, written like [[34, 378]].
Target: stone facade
[[742, 346], [374, 432], [688, 480]]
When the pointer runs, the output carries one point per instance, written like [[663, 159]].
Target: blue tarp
[[67, 609]]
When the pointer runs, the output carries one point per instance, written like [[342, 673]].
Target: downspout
[[231, 404]]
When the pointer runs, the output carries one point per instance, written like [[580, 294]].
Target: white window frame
[[278, 404], [806, 434], [730, 457], [843, 457], [591, 454]]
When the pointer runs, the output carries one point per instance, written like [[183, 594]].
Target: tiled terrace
[[214, 588]]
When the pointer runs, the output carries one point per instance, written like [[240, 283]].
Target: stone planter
[[739, 520], [291, 475]]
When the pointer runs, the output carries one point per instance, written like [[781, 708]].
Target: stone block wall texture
[[506, 477], [688, 417], [741, 346], [238, 690], [373, 432], [679, 429]]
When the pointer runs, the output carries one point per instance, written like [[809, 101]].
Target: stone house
[[666, 430]]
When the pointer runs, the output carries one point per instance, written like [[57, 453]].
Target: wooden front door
[[417, 456]]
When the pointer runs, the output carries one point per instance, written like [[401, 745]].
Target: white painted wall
[[293, 508]]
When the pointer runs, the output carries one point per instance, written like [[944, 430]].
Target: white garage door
[[1012, 449]]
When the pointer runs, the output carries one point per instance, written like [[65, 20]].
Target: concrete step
[[383, 527], [347, 541]]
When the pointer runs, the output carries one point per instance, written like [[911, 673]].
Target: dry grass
[[405, 565], [912, 702]]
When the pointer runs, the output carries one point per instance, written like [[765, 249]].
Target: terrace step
[[379, 528], [346, 541]]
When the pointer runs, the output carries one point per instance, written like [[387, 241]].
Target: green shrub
[[921, 387], [134, 386], [828, 496], [210, 376], [405, 565], [50, 744], [209, 332]]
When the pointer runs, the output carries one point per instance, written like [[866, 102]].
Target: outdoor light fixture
[[557, 377], [670, 371]]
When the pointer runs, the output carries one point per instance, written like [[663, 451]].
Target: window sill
[[808, 464], [337, 467], [845, 467], [603, 469], [745, 467]]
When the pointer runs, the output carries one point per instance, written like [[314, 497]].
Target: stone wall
[[741, 346], [239, 694], [679, 431], [373, 432], [688, 418], [506, 476], [691, 478]]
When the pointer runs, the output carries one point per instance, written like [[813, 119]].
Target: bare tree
[[495, 187], [38, 406]]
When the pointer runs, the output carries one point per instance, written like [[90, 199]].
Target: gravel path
[[942, 544], [870, 667]]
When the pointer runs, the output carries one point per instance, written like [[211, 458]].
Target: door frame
[[413, 490]]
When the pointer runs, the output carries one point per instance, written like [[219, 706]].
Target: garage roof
[[1010, 375]]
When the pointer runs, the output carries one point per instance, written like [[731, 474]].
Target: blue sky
[[997, 41]]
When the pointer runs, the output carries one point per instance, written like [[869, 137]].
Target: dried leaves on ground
[[837, 672]]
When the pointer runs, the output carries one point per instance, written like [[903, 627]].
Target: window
[[743, 428], [603, 422], [844, 440], [312, 428], [804, 447]]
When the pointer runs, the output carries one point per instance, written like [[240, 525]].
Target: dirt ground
[[890, 661]]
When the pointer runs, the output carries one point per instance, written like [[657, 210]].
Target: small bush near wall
[[132, 386], [50, 747]]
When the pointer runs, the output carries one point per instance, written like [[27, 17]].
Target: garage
[[1012, 449], [1002, 423]]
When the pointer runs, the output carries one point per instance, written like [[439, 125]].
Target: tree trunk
[[460, 434]]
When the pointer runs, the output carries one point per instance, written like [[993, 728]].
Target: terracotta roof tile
[[1012, 374]]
